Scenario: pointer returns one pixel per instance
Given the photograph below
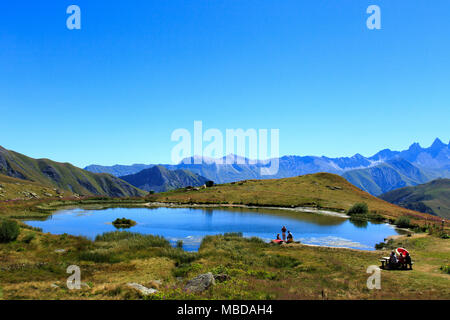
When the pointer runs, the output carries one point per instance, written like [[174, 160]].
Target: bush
[[209, 183], [183, 269], [358, 208], [123, 223], [445, 269], [29, 237], [9, 231], [180, 244], [403, 222], [444, 235]]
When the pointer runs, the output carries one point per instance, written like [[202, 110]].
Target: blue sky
[[114, 91]]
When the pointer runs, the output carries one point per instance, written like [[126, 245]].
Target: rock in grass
[[201, 282], [143, 290]]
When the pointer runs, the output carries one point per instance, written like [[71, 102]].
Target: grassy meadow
[[33, 265], [321, 190]]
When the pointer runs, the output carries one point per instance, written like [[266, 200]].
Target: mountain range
[[432, 197], [382, 172], [159, 179], [64, 176]]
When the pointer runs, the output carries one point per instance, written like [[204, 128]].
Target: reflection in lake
[[191, 225]]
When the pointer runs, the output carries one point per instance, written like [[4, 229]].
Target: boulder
[[201, 282], [143, 290]]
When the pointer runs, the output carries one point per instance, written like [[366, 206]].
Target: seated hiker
[[401, 261], [393, 262], [290, 238], [278, 237], [408, 260]]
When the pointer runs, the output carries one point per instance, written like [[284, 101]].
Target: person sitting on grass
[[408, 261], [290, 238], [393, 262], [401, 261]]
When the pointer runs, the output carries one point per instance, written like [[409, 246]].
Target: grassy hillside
[[432, 197], [34, 267], [159, 179], [322, 190], [393, 174], [63, 176], [17, 189]]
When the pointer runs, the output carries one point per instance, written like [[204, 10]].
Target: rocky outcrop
[[141, 289], [201, 283]]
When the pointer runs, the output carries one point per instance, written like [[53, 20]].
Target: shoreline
[[295, 209]]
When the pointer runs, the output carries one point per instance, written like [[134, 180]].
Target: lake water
[[191, 225]]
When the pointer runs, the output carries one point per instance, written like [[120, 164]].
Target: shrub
[[358, 208], [179, 244], [444, 235], [445, 269], [9, 231], [123, 223], [29, 237], [209, 183], [403, 222], [183, 269]]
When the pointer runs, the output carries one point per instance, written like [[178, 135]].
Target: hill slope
[[118, 170], [160, 179], [63, 176], [17, 189], [432, 197], [387, 176], [322, 190]]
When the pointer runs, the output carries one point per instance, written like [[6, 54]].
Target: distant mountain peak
[[438, 144], [158, 178], [415, 146]]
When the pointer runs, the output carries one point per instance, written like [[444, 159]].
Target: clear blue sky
[[114, 91]]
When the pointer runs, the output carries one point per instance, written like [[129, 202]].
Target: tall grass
[[133, 240]]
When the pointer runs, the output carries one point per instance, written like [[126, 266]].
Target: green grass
[[66, 177], [252, 269], [322, 191], [432, 197]]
